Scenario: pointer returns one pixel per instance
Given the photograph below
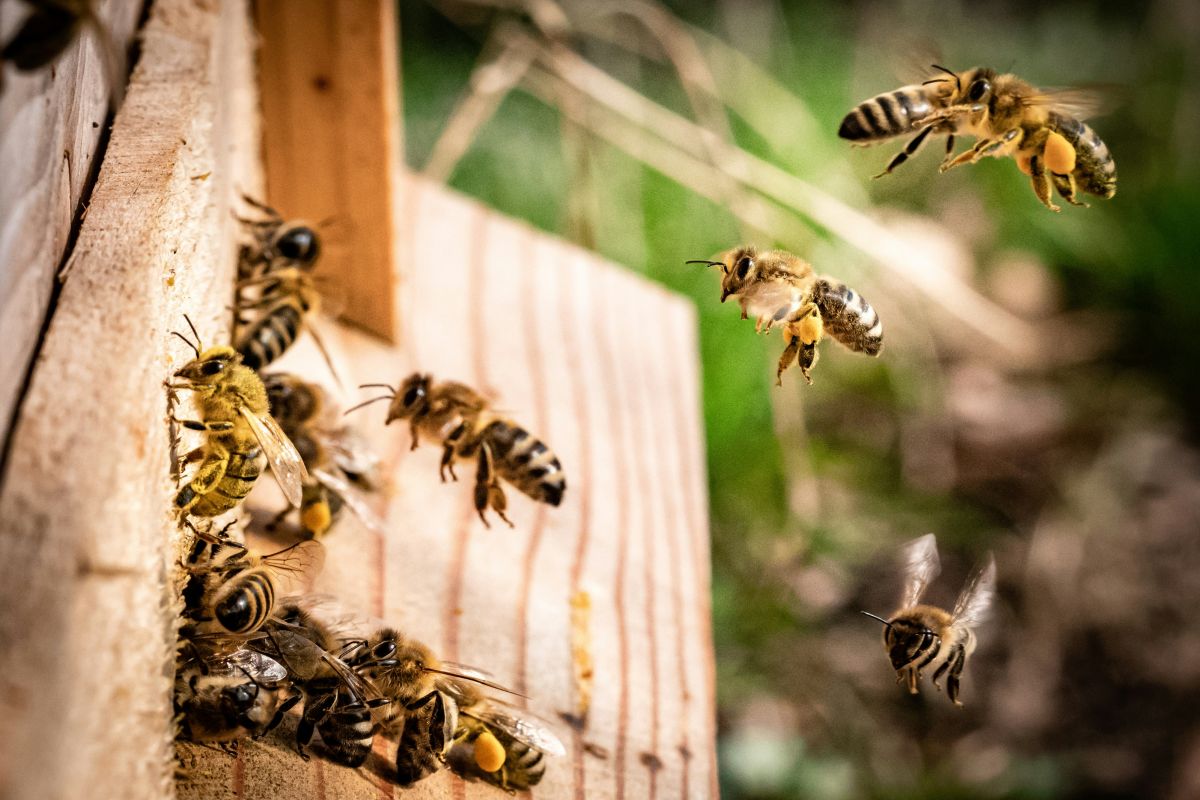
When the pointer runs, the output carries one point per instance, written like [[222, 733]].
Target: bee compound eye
[[384, 649], [299, 244], [413, 395], [978, 89], [212, 367], [743, 266]]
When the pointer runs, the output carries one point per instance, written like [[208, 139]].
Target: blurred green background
[[1037, 399]]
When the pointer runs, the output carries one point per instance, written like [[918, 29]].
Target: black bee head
[[908, 641], [737, 266], [210, 366], [412, 398], [298, 243]]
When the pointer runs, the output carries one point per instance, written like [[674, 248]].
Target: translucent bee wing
[[354, 499], [522, 725], [921, 566], [259, 667], [1080, 102], [775, 299], [297, 567], [975, 602], [465, 672], [286, 464], [351, 455]]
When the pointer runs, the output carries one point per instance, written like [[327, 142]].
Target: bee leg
[[1041, 182], [448, 452], [284, 707], [937, 675], [314, 715], [1065, 186], [211, 471], [488, 491], [909, 150], [808, 359], [959, 656], [789, 355], [949, 152]]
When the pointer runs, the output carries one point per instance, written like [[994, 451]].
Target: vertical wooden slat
[[52, 123], [328, 74], [88, 545]]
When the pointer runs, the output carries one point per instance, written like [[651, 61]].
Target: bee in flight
[[238, 427], [459, 417], [779, 288], [223, 700], [1043, 132], [921, 637], [340, 467], [231, 590]]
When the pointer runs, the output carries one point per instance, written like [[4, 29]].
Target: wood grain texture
[[87, 554], [603, 366], [328, 74], [51, 123]]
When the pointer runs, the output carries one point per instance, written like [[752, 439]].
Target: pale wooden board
[[602, 365], [88, 551], [328, 73], [51, 122]]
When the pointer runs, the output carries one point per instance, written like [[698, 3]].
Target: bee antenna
[[951, 73], [387, 386], [195, 333], [368, 402], [187, 341], [705, 262], [874, 616]]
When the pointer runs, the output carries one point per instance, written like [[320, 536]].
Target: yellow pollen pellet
[[489, 753], [1060, 155]]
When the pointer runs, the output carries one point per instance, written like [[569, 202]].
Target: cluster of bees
[[247, 653]]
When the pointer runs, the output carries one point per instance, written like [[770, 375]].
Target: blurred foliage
[[1073, 693]]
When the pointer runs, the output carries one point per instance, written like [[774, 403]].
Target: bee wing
[[286, 464], [975, 601], [354, 499], [921, 566], [522, 725], [773, 298], [1080, 102], [465, 672], [352, 456], [260, 667], [300, 563]]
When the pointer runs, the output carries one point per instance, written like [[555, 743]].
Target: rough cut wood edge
[[602, 365], [51, 123], [87, 553], [329, 82]]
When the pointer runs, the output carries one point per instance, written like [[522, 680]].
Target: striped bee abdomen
[[245, 602], [271, 335], [419, 751], [910, 645], [241, 472], [526, 765], [886, 115], [1095, 168], [347, 733], [526, 462], [848, 317]]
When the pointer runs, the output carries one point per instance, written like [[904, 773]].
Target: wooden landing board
[[602, 365], [51, 122], [88, 544], [329, 80]]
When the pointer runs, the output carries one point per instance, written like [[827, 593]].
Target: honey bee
[[234, 417], [338, 702], [920, 637], [340, 468], [233, 591], [499, 743], [460, 419], [244, 694], [276, 243], [426, 737], [780, 288], [1042, 131]]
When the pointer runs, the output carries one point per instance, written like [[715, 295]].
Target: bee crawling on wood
[[460, 418], [1042, 131], [779, 288], [921, 637], [238, 429]]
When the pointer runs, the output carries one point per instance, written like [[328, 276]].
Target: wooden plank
[[51, 124], [88, 552], [328, 76], [603, 366]]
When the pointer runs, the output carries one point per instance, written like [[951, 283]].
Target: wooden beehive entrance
[[599, 363]]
